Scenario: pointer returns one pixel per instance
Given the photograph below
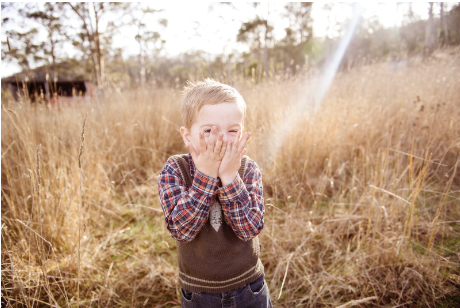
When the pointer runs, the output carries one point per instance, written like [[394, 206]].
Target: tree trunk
[[229, 69], [53, 53], [91, 39], [142, 71], [98, 49], [266, 48], [141, 58], [430, 40], [444, 28], [95, 61]]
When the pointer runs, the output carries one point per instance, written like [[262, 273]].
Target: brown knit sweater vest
[[216, 261]]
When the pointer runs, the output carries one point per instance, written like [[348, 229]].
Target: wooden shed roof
[[65, 71]]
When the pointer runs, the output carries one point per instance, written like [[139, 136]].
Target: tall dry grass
[[361, 199]]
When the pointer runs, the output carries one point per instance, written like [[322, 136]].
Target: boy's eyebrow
[[216, 125]]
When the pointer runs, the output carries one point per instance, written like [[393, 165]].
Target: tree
[[444, 28], [430, 38], [300, 20], [227, 18], [256, 33], [453, 22], [147, 40], [91, 16], [300, 31], [21, 46], [51, 19]]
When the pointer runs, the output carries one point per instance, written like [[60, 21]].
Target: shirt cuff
[[205, 184], [231, 191]]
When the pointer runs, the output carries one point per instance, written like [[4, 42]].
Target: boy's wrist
[[227, 179], [209, 174], [205, 184], [212, 174]]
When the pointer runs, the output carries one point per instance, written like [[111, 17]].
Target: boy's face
[[226, 117]]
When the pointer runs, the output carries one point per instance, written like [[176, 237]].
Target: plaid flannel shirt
[[186, 210]]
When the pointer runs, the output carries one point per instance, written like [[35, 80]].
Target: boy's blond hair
[[207, 92]]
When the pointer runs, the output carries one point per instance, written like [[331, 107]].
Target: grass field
[[362, 199]]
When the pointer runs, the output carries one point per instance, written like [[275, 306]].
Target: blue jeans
[[252, 295]]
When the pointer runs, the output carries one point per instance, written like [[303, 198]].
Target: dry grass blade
[[41, 237], [80, 204], [38, 192], [358, 302], [390, 193], [285, 273]]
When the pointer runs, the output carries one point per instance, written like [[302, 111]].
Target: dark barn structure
[[41, 86]]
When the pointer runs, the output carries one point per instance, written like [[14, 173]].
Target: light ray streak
[[313, 91]]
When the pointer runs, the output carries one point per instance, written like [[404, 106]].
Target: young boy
[[212, 199]]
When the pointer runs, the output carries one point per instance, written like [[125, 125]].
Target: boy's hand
[[210, 156], [231, 161]]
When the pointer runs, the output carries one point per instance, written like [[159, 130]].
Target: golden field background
[[362, 199]]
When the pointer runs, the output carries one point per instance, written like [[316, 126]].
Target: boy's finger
[[243, 152], [224, 148], [229, 147], [236, 142], [212, 139], [241, 135], [202, 143], [218, 143], [243, 141]]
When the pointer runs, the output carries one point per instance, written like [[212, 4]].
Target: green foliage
[[299, 15], [453, 22], [22, 48], [252, 32], [253, 66], [52, 20], [315, 49]]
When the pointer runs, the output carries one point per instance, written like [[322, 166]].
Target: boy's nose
[[226, 136]]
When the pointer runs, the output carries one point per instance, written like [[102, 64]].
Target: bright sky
[[213, 27]]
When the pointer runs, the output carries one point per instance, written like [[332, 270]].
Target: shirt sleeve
[[243, 203], [185, 210]]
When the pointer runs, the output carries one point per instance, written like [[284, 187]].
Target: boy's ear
[[185, 134]]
